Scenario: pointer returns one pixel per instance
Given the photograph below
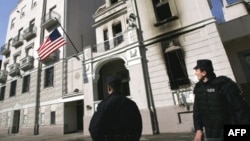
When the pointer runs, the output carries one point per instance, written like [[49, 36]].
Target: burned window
[[113, 1], [176, 67], [162, 10]]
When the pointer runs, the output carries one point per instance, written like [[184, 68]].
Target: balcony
[[4, 50], [109, 44], [29, 32], [3, 76], [14, 69], [49, 20], [17, 41], [122, 39], [27, 63]]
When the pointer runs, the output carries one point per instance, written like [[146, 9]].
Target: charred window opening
[[162, 10], [113, 1], [175, 63]]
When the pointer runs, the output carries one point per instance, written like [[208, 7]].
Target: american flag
[[51, 44]]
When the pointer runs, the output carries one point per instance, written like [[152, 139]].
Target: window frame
[[53, 117], [25, 120], [42, 118], [49, 77], [117, 33], [232, 2], [174, 60], [2, 93], [13, 86], [12, 25], [26, 84], [169, 6]]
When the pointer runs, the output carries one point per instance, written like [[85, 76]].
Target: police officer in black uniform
[[117, 117], [217, 102]]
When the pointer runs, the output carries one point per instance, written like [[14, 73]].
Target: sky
[[6, 6]]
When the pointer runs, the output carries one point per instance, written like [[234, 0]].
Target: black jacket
[[116, 115], [218, 102]]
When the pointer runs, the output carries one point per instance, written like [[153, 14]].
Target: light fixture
[[76, 90], [88, 107]]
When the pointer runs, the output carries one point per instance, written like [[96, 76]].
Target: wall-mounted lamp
[[76, 90], [132, 16], [88, 107], [131, 20]]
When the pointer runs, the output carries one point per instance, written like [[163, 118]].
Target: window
[[33, 4], [12, 23], [22, 14], [106, 39], [117, 33], [162, 10], [53, 117], [49, 77], [28, 49], [175, 63], [42, 118], [32, 25], [13, 88], [2, 92], [26, 83], [113, 1], [229, 2], [19, 34], [25, 120], [16, 57], [217, 10], [51, 12]]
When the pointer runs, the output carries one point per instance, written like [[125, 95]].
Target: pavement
[[81, 137]]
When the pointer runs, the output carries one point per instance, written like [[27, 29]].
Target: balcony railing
[[17, 41], [5, 50], [27, 63], [3, 76], [109, 44], [14, 69], [29, 32], [122, 39], [49, 20]]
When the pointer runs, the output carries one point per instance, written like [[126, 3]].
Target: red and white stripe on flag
[[51, 44]]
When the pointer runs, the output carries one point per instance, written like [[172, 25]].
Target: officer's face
[[200, 74]]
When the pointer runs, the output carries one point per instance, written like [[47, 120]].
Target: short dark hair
[[114, 82]]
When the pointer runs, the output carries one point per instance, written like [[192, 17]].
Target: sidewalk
[[80, 137]]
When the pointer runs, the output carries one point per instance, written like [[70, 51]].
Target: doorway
[[16, 121]]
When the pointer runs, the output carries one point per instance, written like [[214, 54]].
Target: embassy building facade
[[152, 45]]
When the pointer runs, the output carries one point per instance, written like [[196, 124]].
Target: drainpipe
[[142, 49], [39, 71]]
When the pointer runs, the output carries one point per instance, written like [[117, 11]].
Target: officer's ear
[[203, 72], [109, 89]]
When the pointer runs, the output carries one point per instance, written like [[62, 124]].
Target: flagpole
[[69, 39]]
